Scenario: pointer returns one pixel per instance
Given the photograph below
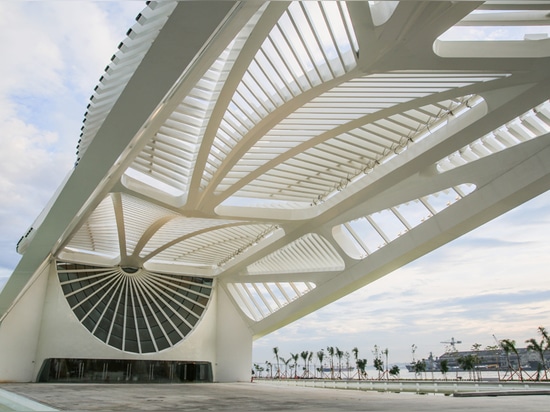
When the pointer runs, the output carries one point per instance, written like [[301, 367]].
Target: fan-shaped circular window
[[132, 309]]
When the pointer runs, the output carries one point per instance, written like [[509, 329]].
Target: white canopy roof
[[279, 147]]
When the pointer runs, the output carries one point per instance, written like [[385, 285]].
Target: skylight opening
[[382, 11], [138, 181], [513, 31], [365, 235], [496, 33]]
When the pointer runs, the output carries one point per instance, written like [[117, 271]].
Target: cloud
[[491, 281], [54, 57]]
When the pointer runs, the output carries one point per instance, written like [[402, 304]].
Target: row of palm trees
[[471, 361], [332, 364], [540, 347], [336, 363]]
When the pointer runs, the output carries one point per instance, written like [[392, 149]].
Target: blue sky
[[494, 280]]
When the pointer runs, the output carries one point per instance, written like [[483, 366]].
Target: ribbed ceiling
[[302, 107]]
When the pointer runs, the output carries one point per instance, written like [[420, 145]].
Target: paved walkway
[[255, 397]]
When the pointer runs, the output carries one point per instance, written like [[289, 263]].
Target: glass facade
[[132, 309], [123, 371]]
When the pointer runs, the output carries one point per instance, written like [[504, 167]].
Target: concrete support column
[[233, 342], [20, 330]]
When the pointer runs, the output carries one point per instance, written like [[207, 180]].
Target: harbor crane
[[453, 343]]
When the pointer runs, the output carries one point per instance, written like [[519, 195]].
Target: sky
[[493, 281]]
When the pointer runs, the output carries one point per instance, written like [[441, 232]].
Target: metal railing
[[421, 386]]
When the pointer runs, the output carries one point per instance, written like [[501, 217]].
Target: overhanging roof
[[301, 149]]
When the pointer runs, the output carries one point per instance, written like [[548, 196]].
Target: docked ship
[[488, 360]]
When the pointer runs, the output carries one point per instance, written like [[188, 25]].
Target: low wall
[[421, 386]]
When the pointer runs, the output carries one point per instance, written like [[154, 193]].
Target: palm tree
[[379, 366], [259, 369], [355, 352], [539, 348], [304, 354], [294, 357], [506, 349], [419, 367], [386, 352], [509, 345], [495, 349], [477, 360], [378, 363], [339, 355], [545, 336], [361, 366], [276, 352], [321, 356], [330, 351], [309, 357], [444, 367], [467, 363], [394, 371], [286, 362]]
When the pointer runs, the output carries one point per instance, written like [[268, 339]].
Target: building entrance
[[123, 371]]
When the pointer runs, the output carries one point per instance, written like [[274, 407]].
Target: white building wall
[[20, 329], [42, 325], [233, 342]]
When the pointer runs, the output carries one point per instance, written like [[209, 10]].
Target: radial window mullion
[[107, 293], [101, 276], [159, 293], [163, 292], [168, 279], [102, 315], [91, 270], [94, 293], [135, 312], [145, 319], [125, 286], [115, 311], [153, 299], [136, 326]]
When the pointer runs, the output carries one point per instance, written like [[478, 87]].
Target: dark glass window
[[134, 310]]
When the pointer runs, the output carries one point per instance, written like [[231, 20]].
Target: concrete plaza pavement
[[254, 397]]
